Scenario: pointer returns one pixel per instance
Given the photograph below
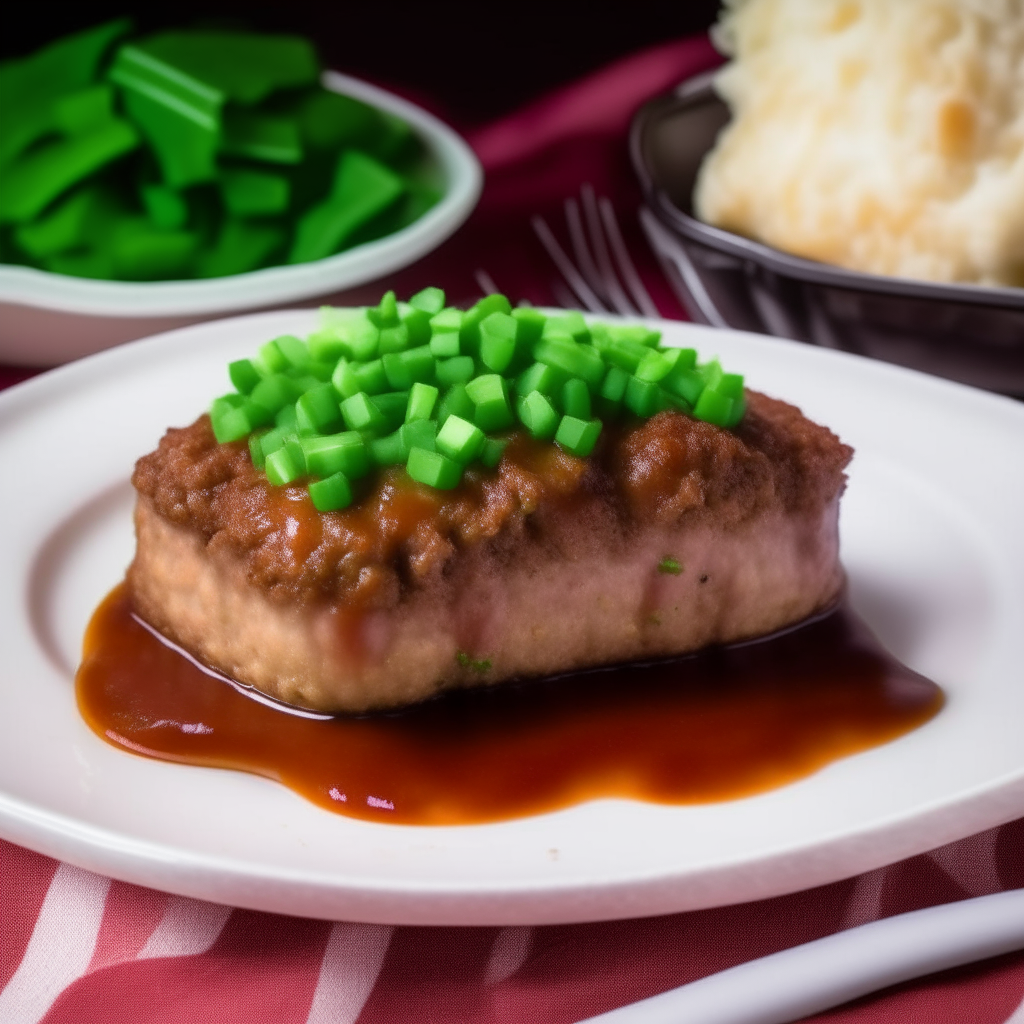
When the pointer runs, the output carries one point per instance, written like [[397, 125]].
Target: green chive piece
[[669, 566], [337, 453], [259, 415], [538, 415], [430, 300], [481, 666], [540, 377], [492, 410], [635, 334], [497, 341], [455, 403], [419, 434], [285, 417], [304, 425], [389, 450], [332, 493], [613, 389], [578, 436], [684, 382], [393, 406], [655, 366], [739, 407], [270, 359], [449, 319], [576, 360], [281, 468], [294, 350], [570, 322], [493, 449], [576, 399], [417, 365], [469, 330], [317, 410], [529, 326], [416, 323], [422, 399], [394, 339], [294, 450], [271, 441], [686, 358], [229, 423], [386, 313], [244, 375], [458, 370], [444, 344], [344, 379], [644, 398], [256, 450], [713, 407], [360, 413], [372, 378], [433, 469], [348, 332], [460, 440]]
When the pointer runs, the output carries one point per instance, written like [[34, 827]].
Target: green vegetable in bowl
[[192, 154], [371, 388]]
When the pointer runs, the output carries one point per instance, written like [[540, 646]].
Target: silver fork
[[603, 278]]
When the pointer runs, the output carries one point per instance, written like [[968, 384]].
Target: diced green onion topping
[[282, 468], [422, 399], [460, 440], [578, 436], [429, 386], [430, 300], [576, 399], [492, 410], [458, 370], [244, 375], [433, 469], [345, 453], [360, 413], [494, 448], [332, 493], [538, 415]]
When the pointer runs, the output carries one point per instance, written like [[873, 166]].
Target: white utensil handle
[[810, 978]]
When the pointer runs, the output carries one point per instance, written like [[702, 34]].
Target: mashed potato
[[882, 135]]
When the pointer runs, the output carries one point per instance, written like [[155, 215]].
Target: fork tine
[[581, 250], [485, 282], [565, 267], [616, 295], [626, 268]]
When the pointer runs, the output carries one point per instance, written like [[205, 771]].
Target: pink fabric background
[[78, 948]]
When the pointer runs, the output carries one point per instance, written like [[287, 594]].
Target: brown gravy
[[727, 723]]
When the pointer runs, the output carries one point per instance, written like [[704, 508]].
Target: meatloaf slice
[[673, 535]]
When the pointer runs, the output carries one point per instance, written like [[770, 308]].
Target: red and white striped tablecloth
[[77, 948]]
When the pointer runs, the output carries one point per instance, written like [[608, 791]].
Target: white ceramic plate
[[47, 319], [932, 541]]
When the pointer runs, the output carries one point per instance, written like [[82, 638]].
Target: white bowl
[[47, 319]]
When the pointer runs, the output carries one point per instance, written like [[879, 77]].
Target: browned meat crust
[[668, 469], [409, 590]]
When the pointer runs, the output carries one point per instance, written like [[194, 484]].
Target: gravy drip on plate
[[724, 724]]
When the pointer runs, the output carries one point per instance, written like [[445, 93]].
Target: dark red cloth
[[143, 956]]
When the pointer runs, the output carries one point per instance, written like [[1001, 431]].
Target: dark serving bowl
[[965, 332]]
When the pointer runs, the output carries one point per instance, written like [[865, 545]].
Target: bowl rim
[[699, 88], [42, 289]]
